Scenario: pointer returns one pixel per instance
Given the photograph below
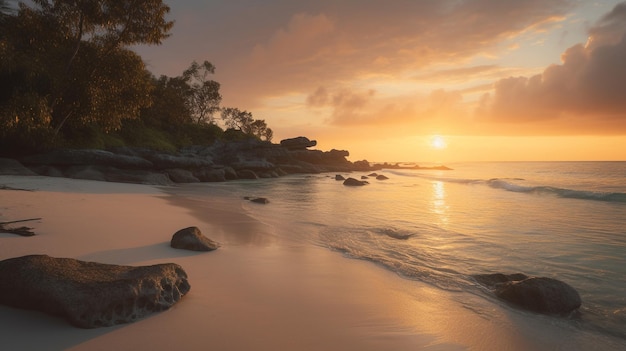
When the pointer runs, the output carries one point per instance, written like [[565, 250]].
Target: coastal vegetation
[[69, 79]]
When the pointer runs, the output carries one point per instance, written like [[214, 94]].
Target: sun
[[438, 142]]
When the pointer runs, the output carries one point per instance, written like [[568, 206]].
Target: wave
[[559, 192], [510, 184], [389, 248]]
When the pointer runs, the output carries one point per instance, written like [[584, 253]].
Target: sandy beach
[[257, 292]]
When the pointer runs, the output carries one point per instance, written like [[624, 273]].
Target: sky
[[432, 81]]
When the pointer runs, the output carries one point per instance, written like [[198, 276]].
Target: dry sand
[[257, 292]]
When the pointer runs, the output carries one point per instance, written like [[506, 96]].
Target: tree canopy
[[68, 77], [66, 63]]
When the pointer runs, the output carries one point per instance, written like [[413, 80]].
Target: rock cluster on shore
[[222, 161], [92, 294]]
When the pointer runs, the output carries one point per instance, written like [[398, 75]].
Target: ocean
[[564, 220]]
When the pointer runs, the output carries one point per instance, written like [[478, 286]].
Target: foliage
[[72, 55], [203, 97], [169, 104], [234, 118], [68, 79]]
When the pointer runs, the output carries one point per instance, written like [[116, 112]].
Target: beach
[[258, 291]]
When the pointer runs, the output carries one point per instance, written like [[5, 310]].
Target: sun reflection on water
[[439, 205]]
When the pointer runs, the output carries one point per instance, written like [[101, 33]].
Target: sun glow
[[438, 142]]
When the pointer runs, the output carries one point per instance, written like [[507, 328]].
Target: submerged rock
[[354, 182], [339, 177], [90, 294], [258, 200], [381, 177], [192, 239], [538, 294]]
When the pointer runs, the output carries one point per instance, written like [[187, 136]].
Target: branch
[[23, 231], [21, 220]]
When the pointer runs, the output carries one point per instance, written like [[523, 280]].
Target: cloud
[[587, 92], [329, 43]]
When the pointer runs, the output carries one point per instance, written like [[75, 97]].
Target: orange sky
[[497, 80]]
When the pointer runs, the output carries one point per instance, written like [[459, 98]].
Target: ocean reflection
[[439, 205]]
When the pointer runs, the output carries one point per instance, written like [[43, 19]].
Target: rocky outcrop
[[70, 157], [90, 294], [192, 239], [299, 143], [538, 294], [221, 161]]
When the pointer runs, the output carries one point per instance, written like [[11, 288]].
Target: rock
[[335, 154], [354, 182], [373, 175], [362, 165], [255, 165], [164, 161], [90, 294], [247, 174], [192, 239], [339, 177], [258, 200], [381, 177], [211, 175], [538, 294], [299, 143], [493, 280], [365, 177], [136, 176], [12, 167], [178, 175], [85, 172], [70, 157], [230, 173]]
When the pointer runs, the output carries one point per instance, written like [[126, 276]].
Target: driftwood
[[4, 187], [23, 231]]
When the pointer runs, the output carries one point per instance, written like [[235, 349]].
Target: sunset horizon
[[500, 81]]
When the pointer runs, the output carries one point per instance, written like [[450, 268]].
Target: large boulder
[[136, 176], [538, 294], [178, 175], [298, 143], [210, 175], [247, 174], [165, 161], [90, 294], [192, 239]]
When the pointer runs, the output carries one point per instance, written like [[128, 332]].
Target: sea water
[[564, 220]]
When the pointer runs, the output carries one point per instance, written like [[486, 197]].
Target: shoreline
[[245, 295], [256, 292]]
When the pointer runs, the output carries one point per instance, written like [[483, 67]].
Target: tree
[[72, 56], [243, 121], [169, 107], [203, 98]]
